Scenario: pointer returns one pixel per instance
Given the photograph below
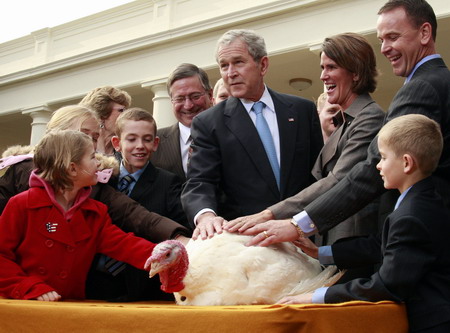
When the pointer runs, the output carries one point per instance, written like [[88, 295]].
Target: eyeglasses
[[194, 97]]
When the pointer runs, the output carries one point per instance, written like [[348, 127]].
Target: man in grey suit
[[246, 157], [407, 31], [190, 93]]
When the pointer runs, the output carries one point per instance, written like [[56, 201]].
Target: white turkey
[[223, 271]]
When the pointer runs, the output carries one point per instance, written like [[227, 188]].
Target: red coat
[[34, 261]]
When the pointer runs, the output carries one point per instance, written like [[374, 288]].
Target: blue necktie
[[266, 137]]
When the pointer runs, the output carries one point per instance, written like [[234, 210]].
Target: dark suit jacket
[[159, 191], [229, 161], [346, 146], [415, 257], [168, 155], [427, 93]]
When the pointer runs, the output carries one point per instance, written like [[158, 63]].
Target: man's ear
[[426, 33], [210, 97], [264, 63], [409, 164], [155, 143], [116, 143]]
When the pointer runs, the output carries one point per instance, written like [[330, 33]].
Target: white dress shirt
[[185, 143]]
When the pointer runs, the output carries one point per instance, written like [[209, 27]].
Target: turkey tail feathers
[[326, 278]]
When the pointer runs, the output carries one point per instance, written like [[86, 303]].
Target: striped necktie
[[125, 183]]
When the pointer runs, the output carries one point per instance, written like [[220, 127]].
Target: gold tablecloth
[[89, 316]]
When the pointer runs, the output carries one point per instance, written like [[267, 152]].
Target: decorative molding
[[174, 34]]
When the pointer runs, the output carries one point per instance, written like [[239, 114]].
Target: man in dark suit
[[407, 31], [232, 172], [190, 93]]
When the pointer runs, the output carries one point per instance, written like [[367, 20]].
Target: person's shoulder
[[95, 205], [367, 106], [291, 99], [167, 130], [23, 196], [34, 196], [217, 111], [167, 174], [18, 150], [17, 155], [422, 201], [433, 72]]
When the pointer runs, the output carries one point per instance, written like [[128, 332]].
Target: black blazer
[[229, 171], [427, 93], [159, 191], [415, 254]]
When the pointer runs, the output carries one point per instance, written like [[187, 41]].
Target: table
[[98, 316]]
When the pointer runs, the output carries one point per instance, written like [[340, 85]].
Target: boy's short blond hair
[[417, 135], [136, 114], [55, 152]]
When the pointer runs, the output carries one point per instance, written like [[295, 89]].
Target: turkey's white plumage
[[223, 271]]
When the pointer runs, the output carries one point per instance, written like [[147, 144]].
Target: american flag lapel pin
[[51, 227], [290, 119]]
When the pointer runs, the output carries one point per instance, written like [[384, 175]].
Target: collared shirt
[[136, 175], [185, 143], [269, 114], [401, 197], [421, 62]]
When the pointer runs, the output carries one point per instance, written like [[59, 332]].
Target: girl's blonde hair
[[55, 152], [71, 117]]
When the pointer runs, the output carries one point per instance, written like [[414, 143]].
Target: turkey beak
[[155, 268]]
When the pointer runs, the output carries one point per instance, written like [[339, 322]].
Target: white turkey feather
[[223, 271]]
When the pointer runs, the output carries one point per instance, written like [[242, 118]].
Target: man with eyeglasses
[[190, 92], [252, 150]]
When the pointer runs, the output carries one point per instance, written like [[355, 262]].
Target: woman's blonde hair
[[71, 117], [55, 152]]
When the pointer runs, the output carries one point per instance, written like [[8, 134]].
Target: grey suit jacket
[[168, 155], [413, 249], [229, 171], [427, 93], [346, 147]]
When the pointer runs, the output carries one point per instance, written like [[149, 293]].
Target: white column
[[162, 106], [41, 116]]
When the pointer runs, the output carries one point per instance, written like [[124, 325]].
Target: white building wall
[[135, 46]]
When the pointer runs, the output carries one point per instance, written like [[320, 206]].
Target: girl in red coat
[[50, 233]]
